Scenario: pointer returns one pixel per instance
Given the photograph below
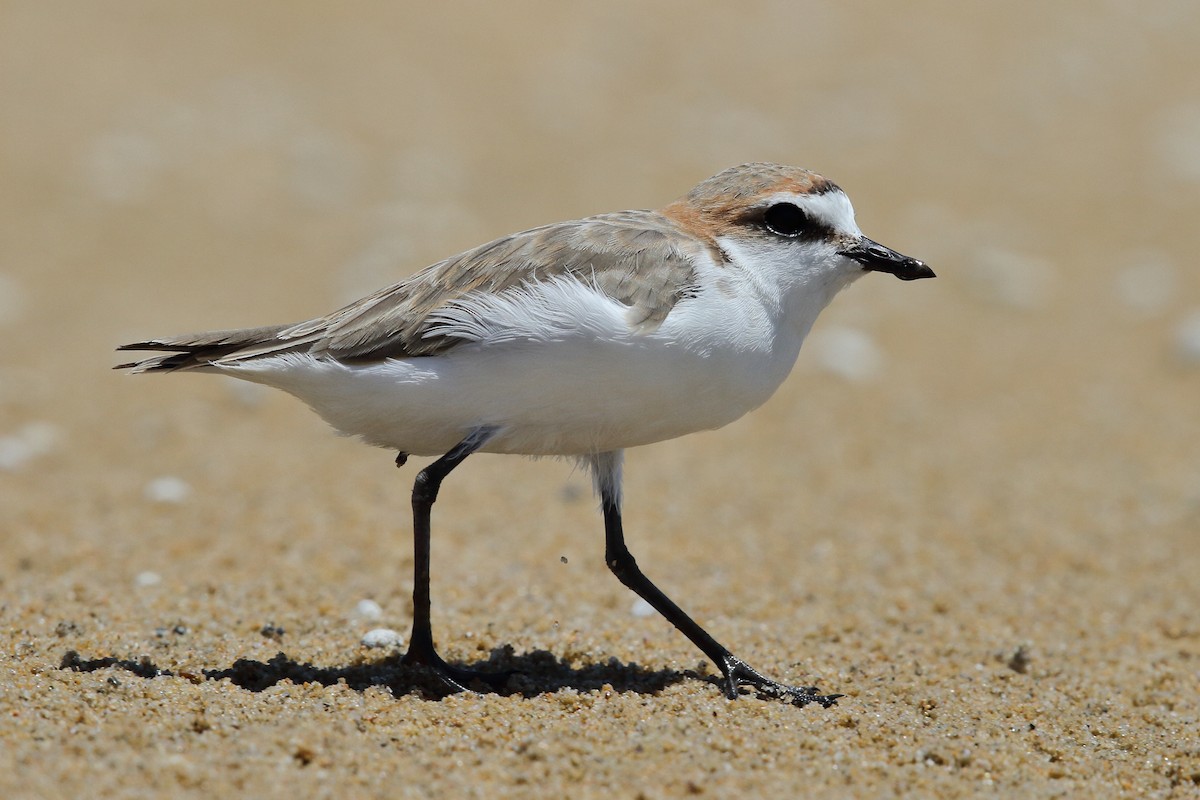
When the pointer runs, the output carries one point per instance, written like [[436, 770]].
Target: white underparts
[[557, 368]]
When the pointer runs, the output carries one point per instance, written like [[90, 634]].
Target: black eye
[[785, 219]]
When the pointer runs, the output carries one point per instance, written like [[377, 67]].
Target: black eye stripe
[[790, 221], [786, 219]]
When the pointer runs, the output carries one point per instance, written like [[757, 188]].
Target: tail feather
[[199, 350]]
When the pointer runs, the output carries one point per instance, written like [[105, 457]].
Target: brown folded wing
[[639, 258]]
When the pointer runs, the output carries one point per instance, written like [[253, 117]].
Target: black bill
[[877, 258]]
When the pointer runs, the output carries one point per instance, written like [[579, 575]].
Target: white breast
[[558, 370]]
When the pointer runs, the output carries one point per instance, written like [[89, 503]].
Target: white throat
[[794, 281]]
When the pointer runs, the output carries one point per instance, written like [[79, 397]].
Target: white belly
[[582, 383], [563, 398]]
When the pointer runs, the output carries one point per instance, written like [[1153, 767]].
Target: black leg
[[425, 491], [735, 671]]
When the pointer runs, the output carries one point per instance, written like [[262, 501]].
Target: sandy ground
[[973, 509]]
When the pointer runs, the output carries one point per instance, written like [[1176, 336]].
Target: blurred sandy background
[[973, 508]]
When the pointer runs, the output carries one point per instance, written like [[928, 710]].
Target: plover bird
[[576, 339]]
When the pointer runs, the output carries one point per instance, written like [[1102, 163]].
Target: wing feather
[[639, 258]]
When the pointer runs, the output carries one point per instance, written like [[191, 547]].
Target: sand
[[972, 510]]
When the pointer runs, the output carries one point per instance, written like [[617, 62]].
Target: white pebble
[[15, 452], [147, 578], [41, 436], [642, 609], [167, 489], [1187, 338], [848, 353], [32, 440], [368, 609], [382, 637]]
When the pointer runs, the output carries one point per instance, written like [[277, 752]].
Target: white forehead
[[831, 208]]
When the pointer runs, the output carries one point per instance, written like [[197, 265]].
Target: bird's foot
[[738, 673], [456, 679]]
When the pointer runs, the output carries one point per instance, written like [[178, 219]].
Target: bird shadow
[[528, 674]]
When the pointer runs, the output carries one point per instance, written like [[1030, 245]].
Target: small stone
[[272, 631], [382, 637], [1020, 660], [147, 578], [66, 628], [15, 453], [41, 436], [32, 440], [167, 489], [368, 609], [304, 755], [641, 608]]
